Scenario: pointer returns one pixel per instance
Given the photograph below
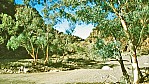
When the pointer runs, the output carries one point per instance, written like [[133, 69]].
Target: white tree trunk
[[135, 69], [134, 56], [132, 50]]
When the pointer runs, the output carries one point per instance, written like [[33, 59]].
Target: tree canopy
[[130, 19], [118, 19], [28, 30]]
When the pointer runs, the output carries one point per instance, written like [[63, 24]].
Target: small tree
[[28, 31], [49, 37], [112, 47]]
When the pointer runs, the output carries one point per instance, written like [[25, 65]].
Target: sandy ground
[[80, 75]]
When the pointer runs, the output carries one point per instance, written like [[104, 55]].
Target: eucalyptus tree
[[62, 41], [28, 31], [132, 15], [112, 47], [49, 37]]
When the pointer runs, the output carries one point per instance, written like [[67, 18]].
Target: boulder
[[106, 68]]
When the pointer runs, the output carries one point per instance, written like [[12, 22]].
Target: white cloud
[[83, 31], [62, 27]]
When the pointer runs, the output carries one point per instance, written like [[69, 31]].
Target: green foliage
[[96, 12], [28, 31], [108, 50], [130, 21], [1, 40], [7, 23], [6, 27], [13, 43], [138, 22], [111, 28], [134, 13]]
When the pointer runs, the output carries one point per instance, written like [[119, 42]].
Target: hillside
[[94, 35], [58, 39]]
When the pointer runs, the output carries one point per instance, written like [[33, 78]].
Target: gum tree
[[111, 48], [132, 15], [28, 31]]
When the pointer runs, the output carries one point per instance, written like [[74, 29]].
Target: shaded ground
[[77, 75]]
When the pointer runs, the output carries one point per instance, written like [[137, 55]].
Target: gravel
[[78, 75]]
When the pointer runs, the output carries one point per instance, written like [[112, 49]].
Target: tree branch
[[141, 33]]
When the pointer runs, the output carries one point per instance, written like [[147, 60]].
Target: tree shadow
[[145, 71], [88, 64]]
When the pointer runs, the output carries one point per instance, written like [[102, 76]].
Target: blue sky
[[82, 31]]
